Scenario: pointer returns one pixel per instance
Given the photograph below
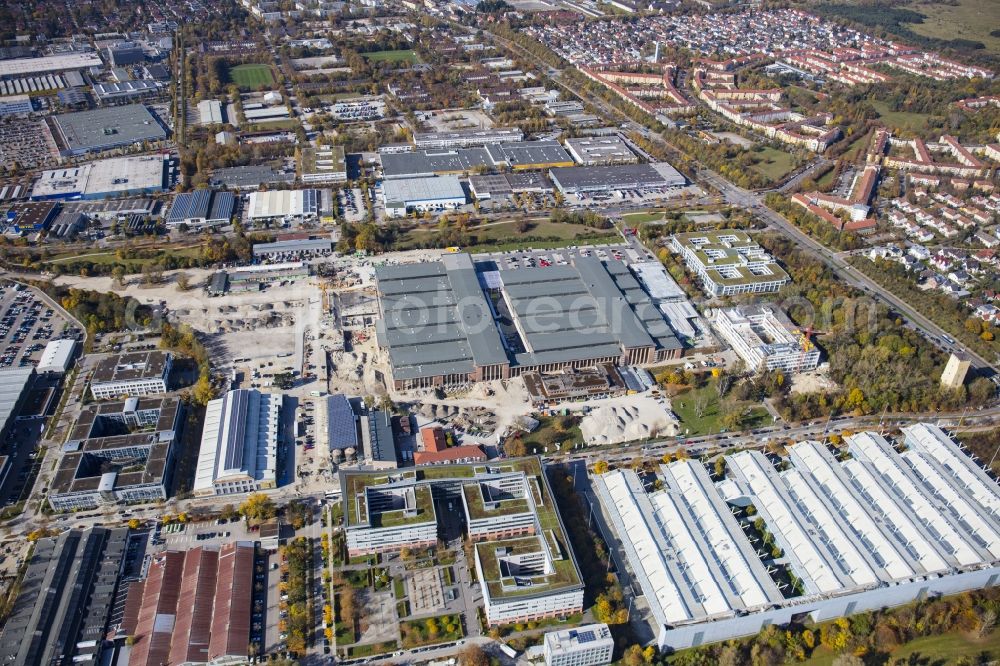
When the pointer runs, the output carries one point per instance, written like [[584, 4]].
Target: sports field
[[252, 75], [407, 55]]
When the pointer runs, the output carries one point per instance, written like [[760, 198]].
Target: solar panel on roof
[[585, 636]]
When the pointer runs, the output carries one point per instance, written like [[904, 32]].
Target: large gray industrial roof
[[13, 382], [615, 177], [108, 127], [436, 318]]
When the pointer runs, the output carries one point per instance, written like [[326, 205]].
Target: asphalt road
[[746, 199]]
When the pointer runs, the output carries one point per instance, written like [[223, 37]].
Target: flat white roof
[[422, 190], [658, 284], [651, 562], [110, 176], [811, 559], [56, 356], [933, 442], [874, 452], [52, 63]]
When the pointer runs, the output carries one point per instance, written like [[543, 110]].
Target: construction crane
[[806, 343]]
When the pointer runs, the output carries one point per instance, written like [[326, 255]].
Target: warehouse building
[[293, 250], [118, 453], [574, 180], [132, 374], [927, 522], [210, 112], [503, 184], [729, 262], [14, 387], [106, 128], [434, 194], [466, 138], [103, 179], [766, 339], [57, 356], [15, 105], [239, 444], [437, 321], [62, 62], [287, 205], [201, 208], [248, 177], [519, 156], [65, 601], [193, 607], [31, 217], [593, 150], [127, 89]]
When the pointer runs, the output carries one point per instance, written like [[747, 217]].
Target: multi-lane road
[[738, 196]]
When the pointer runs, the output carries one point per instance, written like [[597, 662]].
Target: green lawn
[[551, 432], [943, 649], [111, 258], [274, 125], [440, 629], [252, 75], [485, 236], [409, 56], [700, 411], [773, 164], [640, 218], [967, 19], [902, 120]]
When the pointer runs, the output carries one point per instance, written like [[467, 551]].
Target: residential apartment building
[[589, 645], [131, 374]]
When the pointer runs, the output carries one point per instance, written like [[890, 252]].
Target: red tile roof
[[454, 454], [434, 439], [194, 606]]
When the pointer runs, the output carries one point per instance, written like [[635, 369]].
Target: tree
[[473, 655], [600, 467], [203, 390], [134, 524], [183, 281], [258, 506], [515, 448], [118, 275]]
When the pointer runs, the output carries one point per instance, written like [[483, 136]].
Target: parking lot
[[352, 203], [562, 257], [27, 323]]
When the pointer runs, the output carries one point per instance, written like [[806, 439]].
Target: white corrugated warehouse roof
[[658, 284], [876, 454], [422, 190], [56, 356], [651, 562], [812, 560], [13, 381]]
